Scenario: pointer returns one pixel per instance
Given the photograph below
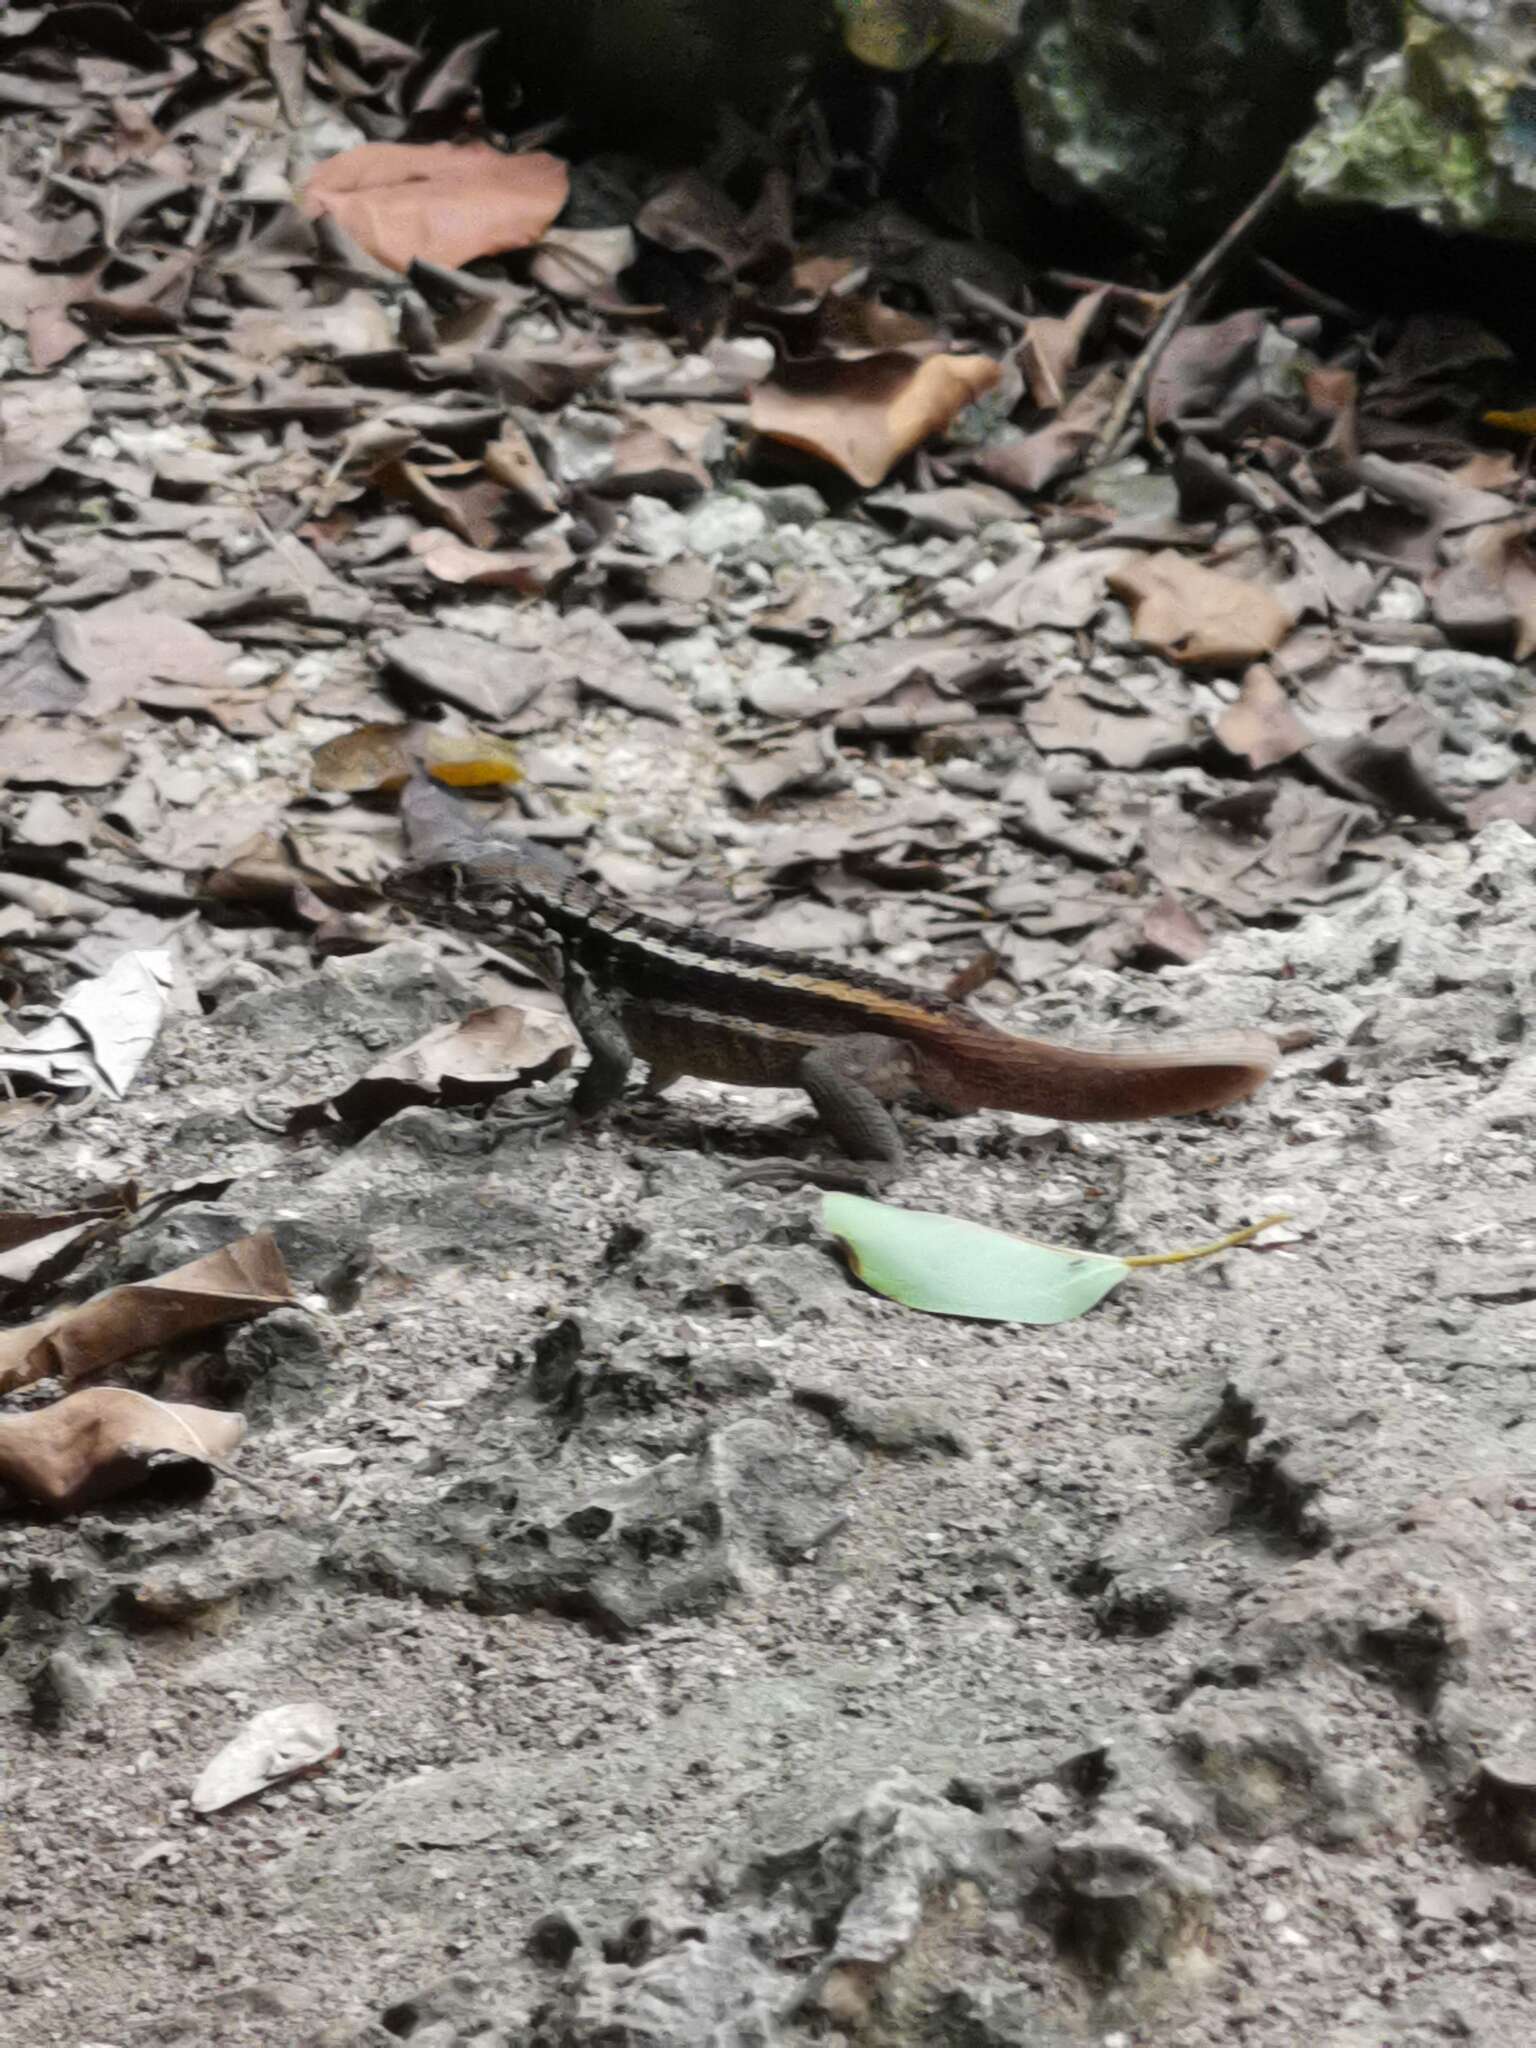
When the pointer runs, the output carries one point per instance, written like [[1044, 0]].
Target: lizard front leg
[[609, 1055]]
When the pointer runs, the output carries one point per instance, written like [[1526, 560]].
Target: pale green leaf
[[953, 1268]]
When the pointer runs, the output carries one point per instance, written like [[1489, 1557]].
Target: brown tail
[[1036, 1078]]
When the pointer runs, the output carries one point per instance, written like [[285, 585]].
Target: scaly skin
[[689, 1002]]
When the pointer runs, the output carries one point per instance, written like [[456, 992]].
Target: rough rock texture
[[723, 1656], [1440, 127], [1170, 116]]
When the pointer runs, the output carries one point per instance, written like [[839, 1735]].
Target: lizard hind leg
[[849, 1081], [846, 1080]]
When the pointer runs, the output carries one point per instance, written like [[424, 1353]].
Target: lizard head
[[476, 884]]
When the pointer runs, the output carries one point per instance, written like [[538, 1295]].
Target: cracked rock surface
[[723, 1655]]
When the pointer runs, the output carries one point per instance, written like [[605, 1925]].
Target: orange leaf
[[863, 417], [438, 202], [1198, 617]]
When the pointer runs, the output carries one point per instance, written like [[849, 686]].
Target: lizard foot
[[534, 1124], [868, 1177]]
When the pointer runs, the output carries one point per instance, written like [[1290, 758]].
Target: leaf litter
[[351, 477]]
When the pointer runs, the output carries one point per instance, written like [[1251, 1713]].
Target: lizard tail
[[1037, 1078]]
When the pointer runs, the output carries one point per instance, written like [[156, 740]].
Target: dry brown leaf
[[606, 665], [438, 202], [37, 1250], [584, 263], [239, 1280], [863, 417], [530, 570], [471, 1060], [1380, 772], [120, 649], [816, 608], [38, 418], [653, 464], [1170, 933], [1066, 591], [32, 675], [51, 750], [1203, 367], [1113, 723], [490, 680], [510, 460], [283, 1742], [772, 772], [1289, 852], [374, 758], [1261, 726], [1198, 617], [1051, 451], [1051, 345], [100, 1441], [1490, 593]]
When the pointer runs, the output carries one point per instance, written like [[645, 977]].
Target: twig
[[1193, 288], [213, 191], [1309, 295], [989, 303]]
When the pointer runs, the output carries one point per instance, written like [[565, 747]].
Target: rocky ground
[[723, 1654], [720, 1654]]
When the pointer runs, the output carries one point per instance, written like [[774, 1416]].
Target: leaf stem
[[1202, 1251]]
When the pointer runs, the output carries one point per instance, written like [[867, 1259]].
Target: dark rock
[[277, 1368], [555, 1376], [184, 1234], [1139, 1604], [77, 1680], [1282, 1484], [1129, 1902], [1271, 1768], [181, 1589], [1499, 1810], [621, 1553], [904, 1428], [554, 1938]]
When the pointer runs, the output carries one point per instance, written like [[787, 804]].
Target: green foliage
[[949, 1267]]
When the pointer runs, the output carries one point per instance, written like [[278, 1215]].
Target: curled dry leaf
[[270, 1747], [101, 1032], [373, 758], [584, 263], [1198, 617], [510, 460], [239, 1280], [470, 1060], [438, 202], [863, 417], [1490, 593], [1262, 727], [531, 570], [101, 1440], [36, 1249]]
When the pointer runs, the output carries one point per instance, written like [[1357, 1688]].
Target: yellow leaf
[[891, 35]]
